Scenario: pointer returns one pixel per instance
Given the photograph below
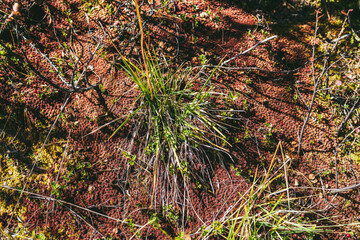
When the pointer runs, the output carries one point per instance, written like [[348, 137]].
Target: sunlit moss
[[10, 175], [14, 169], [48, 156]]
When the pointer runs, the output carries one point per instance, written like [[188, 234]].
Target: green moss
[[48, 156], [16, 157], [10, 175]]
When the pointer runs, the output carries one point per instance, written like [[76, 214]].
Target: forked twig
[[317, 79], [348, 115]]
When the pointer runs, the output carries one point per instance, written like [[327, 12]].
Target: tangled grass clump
[[174, 127]]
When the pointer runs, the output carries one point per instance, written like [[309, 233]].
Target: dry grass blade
[[263, 214]]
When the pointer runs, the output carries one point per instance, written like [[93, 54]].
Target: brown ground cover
[[79, 163]]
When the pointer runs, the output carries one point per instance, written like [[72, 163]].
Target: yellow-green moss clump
[[13, 173], [12, 177]]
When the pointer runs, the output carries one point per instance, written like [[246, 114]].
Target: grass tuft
[[267, 211], [174, 127]]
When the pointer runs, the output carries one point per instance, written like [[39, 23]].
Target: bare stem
[[316, 83], [142, 47]]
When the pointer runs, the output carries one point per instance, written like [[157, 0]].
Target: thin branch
[[49, 61], [317, 79], [315, 86], [66, 203], [58, 175], [344, 189], [349, 114], [249, 49]]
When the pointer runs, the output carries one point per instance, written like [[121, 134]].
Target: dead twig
[[344, 189], [317, 79], [348, 116], [58, 175], [316, 83], [249, 49], [66, 203]]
